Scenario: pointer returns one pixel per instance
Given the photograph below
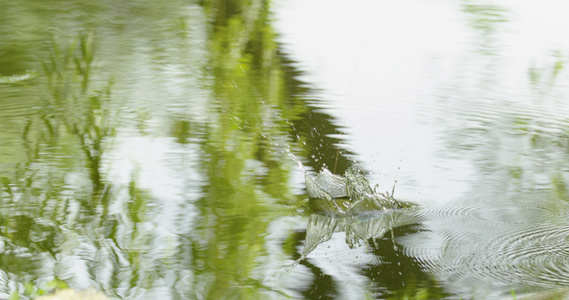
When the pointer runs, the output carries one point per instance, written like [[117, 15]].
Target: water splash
[[353, 186], [281, 146]]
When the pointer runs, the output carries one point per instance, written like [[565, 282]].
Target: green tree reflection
[[58, 207], [245, 111], [37, 203]]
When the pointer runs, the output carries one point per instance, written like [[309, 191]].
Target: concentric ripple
[[502, 246]]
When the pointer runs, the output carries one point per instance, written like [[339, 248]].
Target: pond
[[171, 149]]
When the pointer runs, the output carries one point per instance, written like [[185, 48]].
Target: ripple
[[544, 249], [21, 103], [458, 212], [492, 246], [498, 214]]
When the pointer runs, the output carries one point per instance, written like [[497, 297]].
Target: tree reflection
[[56, 203], [401, 275], [60, 209]]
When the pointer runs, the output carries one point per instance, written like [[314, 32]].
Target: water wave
[[501, 247]]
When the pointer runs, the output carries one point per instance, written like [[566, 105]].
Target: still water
[[158, 149]]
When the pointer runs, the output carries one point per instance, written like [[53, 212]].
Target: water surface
[[158, 149]]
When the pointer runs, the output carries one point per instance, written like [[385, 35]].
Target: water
[[159, 149]]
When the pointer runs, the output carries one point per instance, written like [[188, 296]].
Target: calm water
[[157, 149]]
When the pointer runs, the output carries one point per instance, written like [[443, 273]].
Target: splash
[[350, 206], [350, 193]]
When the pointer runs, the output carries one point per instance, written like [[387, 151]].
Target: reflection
[[508, 224], [18, 79], [487, 19], [396, 274], [314, 132], [61, 207], [243, 172], [239, 154], [386, 269], [359, 229], [83, 112], [56, 193], [516, 141], [543, 79], [247, 149]]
